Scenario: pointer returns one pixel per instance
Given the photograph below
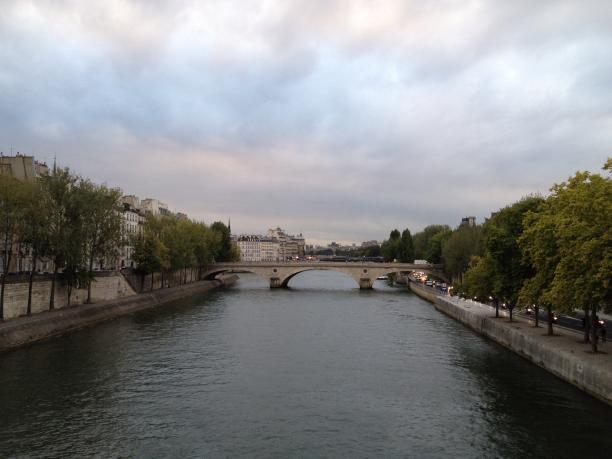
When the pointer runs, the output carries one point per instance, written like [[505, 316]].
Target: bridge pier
[[365, 283], [275, 282]]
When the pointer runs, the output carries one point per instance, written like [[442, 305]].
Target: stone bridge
[[278, 274]]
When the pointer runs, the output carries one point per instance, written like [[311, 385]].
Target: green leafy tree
[[150, 255], [204, 243], [226, 251], [34, 229], [58, 189], [464, 243], [509, 269], [478, 282], [433, 252], [406, 247], [372, 251], [390, 248], [428, 243], [101, 224], [578, 216], [12, 203]]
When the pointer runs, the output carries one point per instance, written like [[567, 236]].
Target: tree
[[101, 220], [433, 252], [428, 243], [464, 243], [226, 251], [390, 248], [539, 246], [58, 188], [204, 242], [12, 198], [372, 251], [478, 281], [34, 231], [509, 269], [406, 247], [150, 255]]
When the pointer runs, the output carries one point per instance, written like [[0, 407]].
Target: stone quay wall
[[106, 286], [26, 330], [562, 355]]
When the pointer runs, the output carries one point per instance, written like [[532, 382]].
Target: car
[[429, 283]]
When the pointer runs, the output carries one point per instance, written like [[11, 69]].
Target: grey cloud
[[341, 118]]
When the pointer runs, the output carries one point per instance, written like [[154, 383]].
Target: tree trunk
[[586, 323], [90, 279], [152, 275], [52, 295], [161, 275], [31, 282], [142, 278], [496, 307], [69, 294], [7, 263], [2, 296], [510, 308], [536, 311], [594, 328], [550, 320]]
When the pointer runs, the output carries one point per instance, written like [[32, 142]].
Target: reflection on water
[[321, 369]]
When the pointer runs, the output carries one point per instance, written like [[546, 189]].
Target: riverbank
[[26, 330], [563, 354]]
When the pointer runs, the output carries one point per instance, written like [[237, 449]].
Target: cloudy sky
[[339, 119]]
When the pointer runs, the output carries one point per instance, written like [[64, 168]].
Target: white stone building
[[291, 247], [154, 207], [276, 245], [133, 223], [255, 248]]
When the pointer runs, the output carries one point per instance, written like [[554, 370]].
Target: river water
[[319, 370]]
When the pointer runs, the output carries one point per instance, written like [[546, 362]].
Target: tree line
[[62, 218], [552, 252], [73, 223], [166, 243]]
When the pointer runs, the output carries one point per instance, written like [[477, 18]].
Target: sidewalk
[[557, 329], [572, 338]]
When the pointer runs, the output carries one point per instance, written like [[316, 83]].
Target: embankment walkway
[[563, 354]]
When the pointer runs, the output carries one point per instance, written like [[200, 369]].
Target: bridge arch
[[213, 273], [291, 275]]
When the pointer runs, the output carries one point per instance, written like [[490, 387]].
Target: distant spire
[[229, 224], [54, 163]]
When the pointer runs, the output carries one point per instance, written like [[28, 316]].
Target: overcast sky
[[337, 119]]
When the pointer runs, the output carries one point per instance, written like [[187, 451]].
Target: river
[[319, 370]]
